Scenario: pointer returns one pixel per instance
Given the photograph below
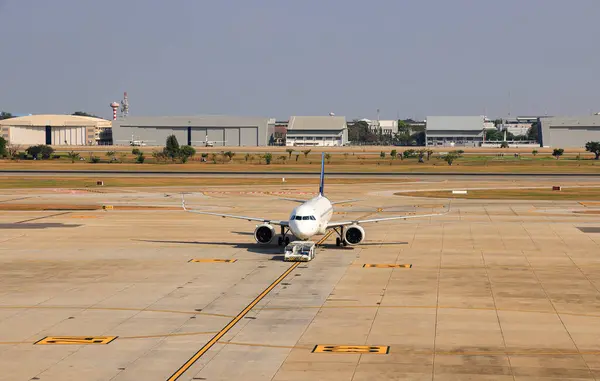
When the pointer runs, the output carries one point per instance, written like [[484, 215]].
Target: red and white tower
[[115, 107]]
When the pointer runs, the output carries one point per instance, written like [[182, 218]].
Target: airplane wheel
[[338, 241], [287, 241], [344, 243], [279, 241]]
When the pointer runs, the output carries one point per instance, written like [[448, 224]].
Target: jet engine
[[354, 234], [264, 233]]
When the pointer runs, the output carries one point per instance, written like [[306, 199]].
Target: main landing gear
[[339, 241], [283, 238]]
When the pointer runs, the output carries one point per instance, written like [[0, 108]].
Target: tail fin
[[322, 181]]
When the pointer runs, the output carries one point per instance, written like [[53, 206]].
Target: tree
[[83, 113], [140, 158], [289, 151], [5, 115], [504, 145], [3, 144], [229, 155], [187, 152], [328, 157], [172, 147], [306, 153], [40, 150], [593, 147], [429, 153], [533, 132], [297, 156], [73, 156], [394, 153], [382, 155], [136, 151], [557, 152], [247, 157], [450, 157], [492, 135], [13, 151], [111, 155], [534, 152], [268, 157]]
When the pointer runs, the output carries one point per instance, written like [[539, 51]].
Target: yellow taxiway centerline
[[230, 325]]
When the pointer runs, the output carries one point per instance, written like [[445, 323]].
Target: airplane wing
[[358, 222], [293, 199], [345, 201], [267, 220]]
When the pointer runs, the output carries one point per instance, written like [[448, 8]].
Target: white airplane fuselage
[[311, 218]]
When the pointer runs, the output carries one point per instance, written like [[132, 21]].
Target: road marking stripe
[[329, 233], [230, 325]]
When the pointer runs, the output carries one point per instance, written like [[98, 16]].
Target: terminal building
[[568, 132], [214, 130], [317, 131], [54, 130], [454, 131]]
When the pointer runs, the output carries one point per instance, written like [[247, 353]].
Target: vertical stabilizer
[[322, 181]]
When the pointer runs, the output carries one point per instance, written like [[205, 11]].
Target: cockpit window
[[313, 218], [306, 218], [298, 218], [293, 217]]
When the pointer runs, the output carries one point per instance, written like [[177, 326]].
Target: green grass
[[578, 194]]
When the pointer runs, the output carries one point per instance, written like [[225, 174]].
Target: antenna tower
[[125, 105]]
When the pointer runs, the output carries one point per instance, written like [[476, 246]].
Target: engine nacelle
[[354, 234], [264, 233]]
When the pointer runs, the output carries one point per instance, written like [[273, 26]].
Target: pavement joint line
[[39, 218], [118, 309], [230, 325]]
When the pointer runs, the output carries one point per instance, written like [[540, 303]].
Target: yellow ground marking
[[329, 233], [212, 260], [107, 207], [232, 323], [167, 335], [589, 203], [266, 345], [380, 350], [116, 309], [387, 266], [75, 340], [433, 307]]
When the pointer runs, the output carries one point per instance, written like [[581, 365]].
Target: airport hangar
[[54, 130], [454, 131], [566, 132], [232, 131]]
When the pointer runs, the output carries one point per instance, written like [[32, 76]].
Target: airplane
[[209, 143], [312, 217], [136, 143]]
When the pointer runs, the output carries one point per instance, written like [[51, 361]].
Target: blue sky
[[279, 58]]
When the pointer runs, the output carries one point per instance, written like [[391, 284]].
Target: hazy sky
[[279, 58]]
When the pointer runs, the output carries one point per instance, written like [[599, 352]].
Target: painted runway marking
[[75, 340], [230, 325], [117, 309], [387, 266], [212, 260], [380, 350]]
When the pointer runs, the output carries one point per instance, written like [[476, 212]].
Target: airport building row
[[317, 131]]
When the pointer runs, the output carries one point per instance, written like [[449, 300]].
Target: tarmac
[[493, 290]]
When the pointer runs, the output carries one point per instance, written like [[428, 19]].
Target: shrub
[[268, 157], [73, 156], [504, 145], [557, 152], [409, 153], [394, 153], [382, 155], [328, 157], [3, 143], [534, 152], [94, 159], [135, 151], [140, 159]]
